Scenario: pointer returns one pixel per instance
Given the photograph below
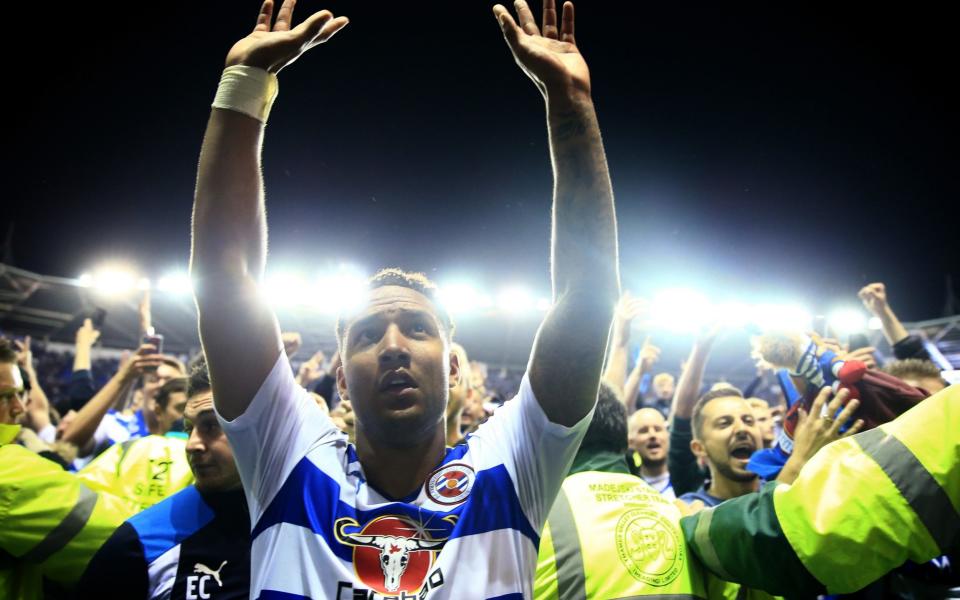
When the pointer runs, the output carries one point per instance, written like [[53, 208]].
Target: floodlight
[[285, 288], [177, 283], [847, 320], [874, 323], [515, 300], [680, 310], [114, 280], [342, 291], [781, 316], [461, 298], [85, 280]]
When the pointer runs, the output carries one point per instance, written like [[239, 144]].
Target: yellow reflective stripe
[[701, 537], [915, 483], [847, 522], [72, 524], [571, 579]]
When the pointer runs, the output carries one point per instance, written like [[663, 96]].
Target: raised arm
[[238, 330], [81, 429], [691, 378], [615, 372], [685, 473], [567, 358], [38, 407], [649, 355], [874, 297]]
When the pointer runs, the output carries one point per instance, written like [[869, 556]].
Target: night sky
[[756, 152]]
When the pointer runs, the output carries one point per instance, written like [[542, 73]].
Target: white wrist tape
[[248, 90]]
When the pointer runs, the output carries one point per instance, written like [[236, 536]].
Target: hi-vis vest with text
[[611, 535], [143, 471], [51, 524]]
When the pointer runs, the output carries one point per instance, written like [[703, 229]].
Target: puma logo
[[204, 569]]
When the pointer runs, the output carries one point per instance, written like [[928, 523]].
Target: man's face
[[648, 436], [663, 386], [729, 436], [208, 451], [152, 382], [397, 367], [12, 401], [761, 413], [166, 417]]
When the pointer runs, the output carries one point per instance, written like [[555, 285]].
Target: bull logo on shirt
[[391, 553]]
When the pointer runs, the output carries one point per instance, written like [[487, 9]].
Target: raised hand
[[87, 335], [874, 298], [649, 355], [865, 355], [24, 355], [628, 309], [144, 360], [272, 45], [311, 370], [291, 343], [549, 56]]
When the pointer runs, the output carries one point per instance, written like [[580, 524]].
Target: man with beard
[[650, 443], [725, 434]]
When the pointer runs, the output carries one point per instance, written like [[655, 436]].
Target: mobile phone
[[154, 339], [97, 316]]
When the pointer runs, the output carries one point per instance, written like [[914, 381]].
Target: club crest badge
[[450, 484]]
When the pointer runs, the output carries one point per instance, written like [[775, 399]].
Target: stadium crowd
[[393, 466]]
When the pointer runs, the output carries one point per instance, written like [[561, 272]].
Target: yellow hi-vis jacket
[[611, 535], [861, 507], [143, 471], [50, 523]]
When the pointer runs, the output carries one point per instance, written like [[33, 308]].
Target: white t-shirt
[[662, 484], [319, 531]]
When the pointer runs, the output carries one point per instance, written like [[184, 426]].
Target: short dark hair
[[7, 352], [914, 368], [724, 392], [417, 282], [199, 378], [174, 386], [608, 429]]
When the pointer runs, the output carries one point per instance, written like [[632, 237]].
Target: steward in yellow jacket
[[51, 524], [861, 507]]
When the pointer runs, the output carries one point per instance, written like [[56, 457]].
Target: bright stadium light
[[285, 288], [462, 298], [847, 320], [177, 283], [344, 290], [874, 323], [733, 315], [515, 301], [781, 316], [85, 280], [114, 281], [143, 283], [680, 310]]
